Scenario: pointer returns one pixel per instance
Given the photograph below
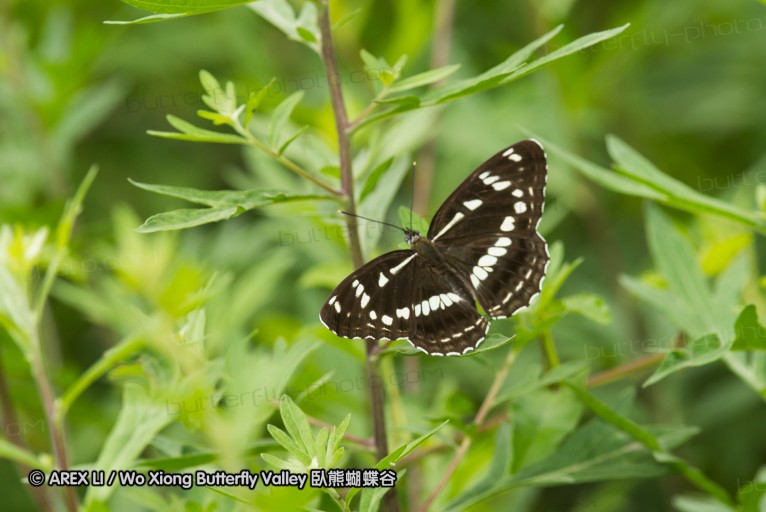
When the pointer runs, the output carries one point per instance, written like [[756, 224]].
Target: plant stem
[[621, 371], [390, 501], [289, 164], [56, 429], [481, 416]]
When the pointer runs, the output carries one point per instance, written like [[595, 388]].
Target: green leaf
[[223, 204], [602, 176], [541, 420], [254, 100], [141, 418], [302, 28], [395, 456], [412, 220], [283, 147], [699, 352], [568, 49], [281, 116], [187, 218], [589, 305], [183, 6], [149, 19], [189, 132], [632, 164], [491, 77], [749, 333], [532, 380], [510, 69], [675, 259], [423, 79], [297, 424], [292, 447]]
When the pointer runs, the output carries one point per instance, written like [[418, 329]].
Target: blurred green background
[[685, 85]]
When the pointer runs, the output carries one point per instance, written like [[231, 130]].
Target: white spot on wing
[[387, 320], [514, 157], [517, 193], [509, 223], [403, 313], [457, 218], [355, 283], [487, 261], [475, 281], [434, 302], [483, 175], [490, 180], [520, 207], [373, 315], [332, 300], [365, 300], [496, 251], [401, 265], [501, 185], [503, 241], [472, 204], [480, 273], [424, 307], [359, 290], [454, 297], [417, 309], [382, 280], [337, 307], [508, 152]]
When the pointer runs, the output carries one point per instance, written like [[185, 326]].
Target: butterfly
[[482, 247]]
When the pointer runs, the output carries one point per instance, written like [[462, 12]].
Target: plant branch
[[390, 501], [613, 374], [289, 164], [481, 415], [56, 429]]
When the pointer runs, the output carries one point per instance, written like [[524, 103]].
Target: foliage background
[[682, 85]]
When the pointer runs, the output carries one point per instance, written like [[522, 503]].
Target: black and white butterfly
[[482, 247]]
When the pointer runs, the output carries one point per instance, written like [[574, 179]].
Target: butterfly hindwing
[[366, 303], [400, 296]]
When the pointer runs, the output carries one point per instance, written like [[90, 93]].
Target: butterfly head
[[411, 236]]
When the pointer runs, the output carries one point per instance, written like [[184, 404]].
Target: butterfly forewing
[[488, 228], [484, 246]]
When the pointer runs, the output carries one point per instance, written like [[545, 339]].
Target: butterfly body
[[482, 248]]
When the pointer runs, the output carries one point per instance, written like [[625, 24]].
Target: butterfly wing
[[400, 296], [488, 228]]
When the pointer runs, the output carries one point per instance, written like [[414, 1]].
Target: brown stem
[[479, 420], [390, 501], [613, 374], [58, 441]]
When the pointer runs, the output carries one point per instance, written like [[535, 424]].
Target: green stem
[[111, 358], [289, 164], [481, 416]]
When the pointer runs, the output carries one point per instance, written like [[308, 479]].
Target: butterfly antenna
[[399, 228]]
